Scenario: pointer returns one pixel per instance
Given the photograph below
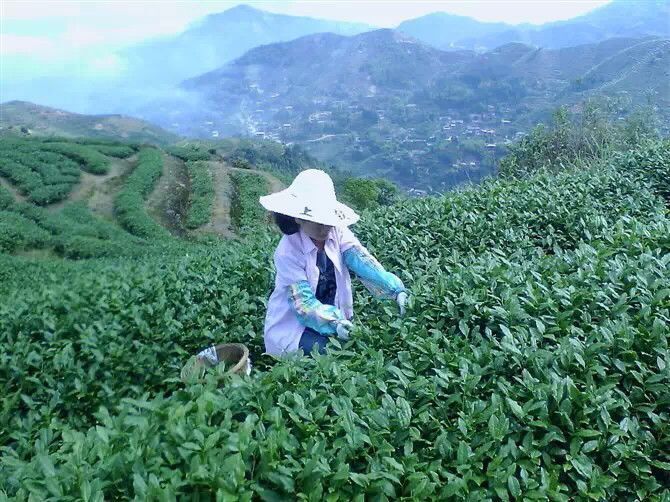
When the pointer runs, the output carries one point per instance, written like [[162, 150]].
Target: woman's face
[[316, 231]]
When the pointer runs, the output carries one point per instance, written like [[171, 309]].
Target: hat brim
[[334, 215]]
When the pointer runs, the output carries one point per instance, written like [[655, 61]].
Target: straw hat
[[311, 197]]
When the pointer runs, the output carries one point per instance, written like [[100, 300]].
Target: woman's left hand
[[402, 300]]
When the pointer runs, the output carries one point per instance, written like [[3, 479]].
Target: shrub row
[[189, 153], [118, 151], [43, 176], [245, 211], [88, 158], [201, 197], [73, 232], [129, 204]]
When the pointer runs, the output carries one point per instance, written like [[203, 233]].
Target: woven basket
[[235, 357]]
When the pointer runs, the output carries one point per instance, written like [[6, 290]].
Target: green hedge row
[[73, 232], [18, 232], [188, 153], [245, 211], [118, 151], [43, 176], [129, 204], [201, 196], [88, 158]]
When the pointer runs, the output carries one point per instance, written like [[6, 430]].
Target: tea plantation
[[533, 362]]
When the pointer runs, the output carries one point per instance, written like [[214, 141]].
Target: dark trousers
[[310, 339]]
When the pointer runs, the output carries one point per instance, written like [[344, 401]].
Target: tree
[[361, 193], [388, 192]]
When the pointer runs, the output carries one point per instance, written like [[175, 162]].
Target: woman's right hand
[[343, 329]]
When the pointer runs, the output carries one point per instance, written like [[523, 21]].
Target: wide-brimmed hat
[[311, 197]]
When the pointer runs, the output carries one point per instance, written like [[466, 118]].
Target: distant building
[[417, 193]]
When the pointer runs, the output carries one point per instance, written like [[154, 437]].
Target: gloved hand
[[343, 329], [402, 300]]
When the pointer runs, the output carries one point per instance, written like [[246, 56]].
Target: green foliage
[[73, 232], [577, 139], [118, 151], [88, 158], [533, 361], [189, 153], [245, 211], [18, 232], [268, 156], [650, 162], [201, 194], [129, 204], [364, 193], [241, 164], [43, 176]]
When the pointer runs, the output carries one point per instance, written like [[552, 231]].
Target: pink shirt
[[295, 260]]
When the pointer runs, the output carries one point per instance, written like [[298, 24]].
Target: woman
[[312, 299]]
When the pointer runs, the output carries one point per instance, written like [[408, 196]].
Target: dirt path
[[100, 191], [91, 185], [12, 189], [168, 202], [220, 221]]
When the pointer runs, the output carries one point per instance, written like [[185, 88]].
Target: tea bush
[[118, 151], [533, 361], [190, 153], [201, 197], [129, 204], [88, 158], [650, 162], [43, 176], [245, 211], [72, 232]]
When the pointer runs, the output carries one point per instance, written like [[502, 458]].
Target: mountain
[[383, 103], [45, 121], [619, 18], [219, 38], [445, 31], [345, 67], [149, 71]]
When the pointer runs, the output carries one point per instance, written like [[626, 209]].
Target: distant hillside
[[446, 31], [385, 104], [219, 38], [620, 18], [43, 121]]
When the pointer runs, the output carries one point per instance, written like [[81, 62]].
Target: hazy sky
[[83, 35]]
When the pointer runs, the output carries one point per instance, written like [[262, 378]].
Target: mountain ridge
[[385, 98], [200, 48], [48, 121], [619, 18]]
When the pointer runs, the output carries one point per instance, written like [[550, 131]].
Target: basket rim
[[243, 360], [237, 368]]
